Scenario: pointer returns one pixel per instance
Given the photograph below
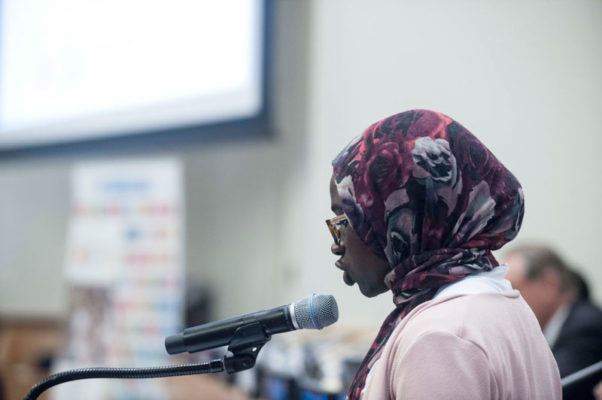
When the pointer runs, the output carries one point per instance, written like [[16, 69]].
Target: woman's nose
[[337, 249]]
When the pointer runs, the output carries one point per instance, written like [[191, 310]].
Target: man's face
[[542, 293]]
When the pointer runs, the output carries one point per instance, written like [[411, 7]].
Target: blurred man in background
[[559, 297]]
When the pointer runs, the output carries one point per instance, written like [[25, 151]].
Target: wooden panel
[[25, 348]]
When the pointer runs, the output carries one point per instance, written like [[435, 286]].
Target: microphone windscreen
[[316, 311]]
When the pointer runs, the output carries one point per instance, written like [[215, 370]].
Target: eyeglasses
[[335, 225]]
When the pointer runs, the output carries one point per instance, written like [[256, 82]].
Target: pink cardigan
[[474, 346]]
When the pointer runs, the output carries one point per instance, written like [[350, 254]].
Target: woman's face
[[358, 263]]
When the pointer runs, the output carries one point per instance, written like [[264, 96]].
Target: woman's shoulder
[[474, 318], [457, 313], [488, 338]]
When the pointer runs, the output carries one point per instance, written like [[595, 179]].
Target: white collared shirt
[[554, 325]]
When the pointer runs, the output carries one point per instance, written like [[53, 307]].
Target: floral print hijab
[[421, 191]]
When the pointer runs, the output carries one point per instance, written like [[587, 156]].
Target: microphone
[[314, 312]]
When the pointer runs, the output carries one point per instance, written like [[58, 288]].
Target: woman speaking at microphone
[[420, 203]]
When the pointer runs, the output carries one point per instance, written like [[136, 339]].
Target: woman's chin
[[347, 278], [371, 291], [366, 292]]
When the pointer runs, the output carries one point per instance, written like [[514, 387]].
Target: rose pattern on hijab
[[423, 192], [434, 160]]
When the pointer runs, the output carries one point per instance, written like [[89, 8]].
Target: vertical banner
[[124, 270]]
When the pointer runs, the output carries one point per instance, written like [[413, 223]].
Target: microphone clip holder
[[244, 346]]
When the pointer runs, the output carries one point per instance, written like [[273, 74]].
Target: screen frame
[[173, 138]]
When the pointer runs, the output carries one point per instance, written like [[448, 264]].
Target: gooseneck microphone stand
[[123, 373], [245, 345]]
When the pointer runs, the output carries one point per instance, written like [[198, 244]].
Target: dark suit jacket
[[579, 345]]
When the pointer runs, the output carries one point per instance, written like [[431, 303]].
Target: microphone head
[[316, 311]]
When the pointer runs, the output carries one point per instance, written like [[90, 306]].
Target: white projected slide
[[77, 69]]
